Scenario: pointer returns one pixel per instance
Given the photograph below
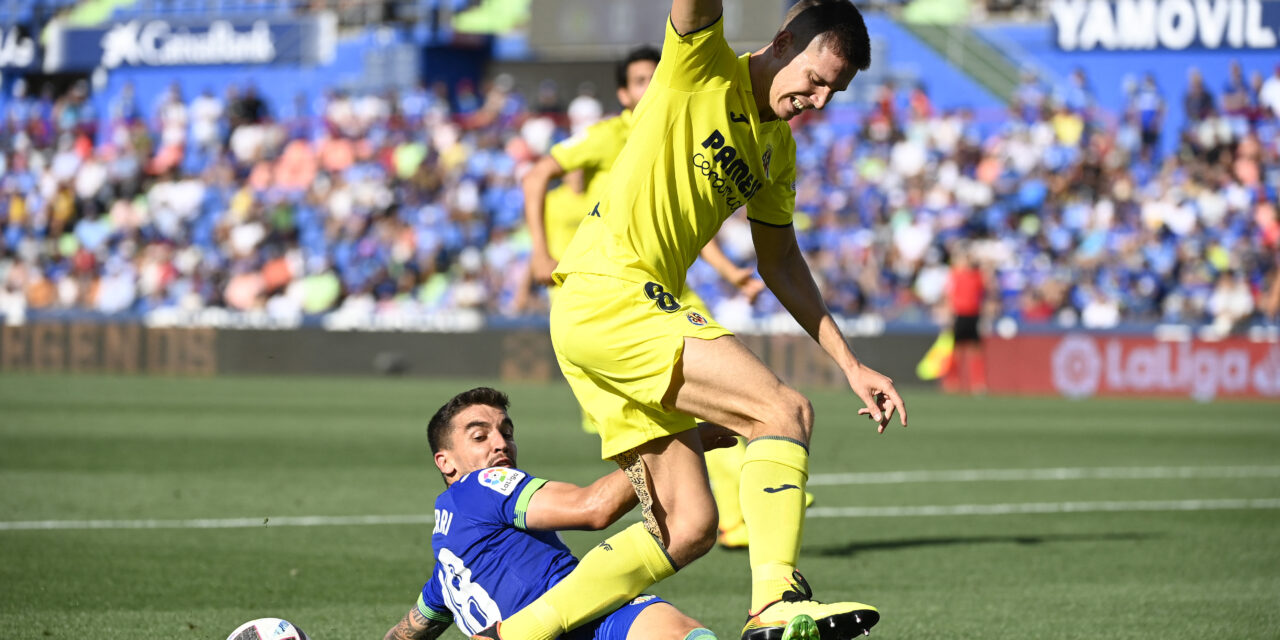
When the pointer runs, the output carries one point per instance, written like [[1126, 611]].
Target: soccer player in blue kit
[[495, 534]]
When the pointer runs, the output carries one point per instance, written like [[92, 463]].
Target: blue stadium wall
[[908, 57]]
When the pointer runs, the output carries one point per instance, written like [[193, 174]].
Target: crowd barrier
[[516, 354], [1077, 365]]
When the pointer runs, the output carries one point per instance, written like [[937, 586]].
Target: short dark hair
[[837, 22], [642, 52], [442, 422]]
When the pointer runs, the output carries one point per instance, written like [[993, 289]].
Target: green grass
[[75, 448]]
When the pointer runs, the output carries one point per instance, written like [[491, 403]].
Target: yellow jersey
[[593, 151], [697, 152], [563, 212]]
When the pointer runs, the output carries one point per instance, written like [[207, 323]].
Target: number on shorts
[[663, 298]]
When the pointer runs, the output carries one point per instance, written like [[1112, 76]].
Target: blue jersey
[[487, 565]]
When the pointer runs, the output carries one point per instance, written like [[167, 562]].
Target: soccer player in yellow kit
[[710, 136], [552, 217]]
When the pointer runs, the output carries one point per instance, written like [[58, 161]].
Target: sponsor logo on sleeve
[[501, 479]]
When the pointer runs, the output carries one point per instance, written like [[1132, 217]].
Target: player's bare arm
[[534, 185], [688, 16], [558, 506], [740, 277], [415, 626], [782, 265]]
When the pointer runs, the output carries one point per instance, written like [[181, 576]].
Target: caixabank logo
[[1083, 366], [159, 43]]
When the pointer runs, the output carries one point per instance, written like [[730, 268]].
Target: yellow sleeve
[[775, 204], [695, 61], [594, 148]]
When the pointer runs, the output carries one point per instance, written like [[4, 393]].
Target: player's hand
[[541, 265], [751, 288], [715, 436], [877, 392]]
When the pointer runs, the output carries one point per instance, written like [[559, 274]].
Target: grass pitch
[[1168, 523]]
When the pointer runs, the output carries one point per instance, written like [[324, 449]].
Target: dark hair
[[441, 423], [837, 22], [642, 52]]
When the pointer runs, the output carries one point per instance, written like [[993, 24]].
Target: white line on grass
[[217, 523], [816, 512], [1064, 473], [1041, 507]]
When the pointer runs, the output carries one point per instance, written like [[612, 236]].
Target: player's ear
[[444, 462], [622, 97], [782, 43]]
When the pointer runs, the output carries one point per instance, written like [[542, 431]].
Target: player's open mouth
[[501, 462], [795, 102]]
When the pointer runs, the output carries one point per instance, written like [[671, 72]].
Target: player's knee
[[805, 415], [684, 627], [791, 416], [691, 538], [664, 622]]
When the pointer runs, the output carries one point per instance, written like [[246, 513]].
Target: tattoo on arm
[[416, 626]]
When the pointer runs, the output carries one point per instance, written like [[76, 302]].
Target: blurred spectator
[[1269, 93], [1197, 102], [1230, 303], [585, 109], [1076, 95], [1148, 105]]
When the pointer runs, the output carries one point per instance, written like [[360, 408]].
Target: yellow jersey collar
[[744, 70]]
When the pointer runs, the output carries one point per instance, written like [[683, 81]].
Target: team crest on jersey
[[643, 598], [766, 158], [501, 479], [696, 319]]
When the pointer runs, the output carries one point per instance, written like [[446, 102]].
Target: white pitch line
[[1042, 507], [1064, 473], [816, 512], [217, 523]]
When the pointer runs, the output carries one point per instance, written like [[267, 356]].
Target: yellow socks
[[724, 467], [614, 572], [774, 472]]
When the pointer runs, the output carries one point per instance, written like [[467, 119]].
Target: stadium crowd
[[408, 203]]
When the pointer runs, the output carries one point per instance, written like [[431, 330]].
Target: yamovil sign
[[1172, 25]]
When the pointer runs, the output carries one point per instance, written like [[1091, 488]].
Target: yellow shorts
[[617, 342]]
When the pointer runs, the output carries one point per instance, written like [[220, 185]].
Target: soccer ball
[[268, 629]]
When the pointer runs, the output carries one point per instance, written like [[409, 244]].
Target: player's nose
[[820, 98]]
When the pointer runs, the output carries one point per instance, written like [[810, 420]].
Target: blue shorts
[[616, 625]]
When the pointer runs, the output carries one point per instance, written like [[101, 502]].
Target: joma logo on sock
[[781, 488]]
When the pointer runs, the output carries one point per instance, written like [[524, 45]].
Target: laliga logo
[[1266, 376], [156, 44], [1077, 367], [1080, 367]]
